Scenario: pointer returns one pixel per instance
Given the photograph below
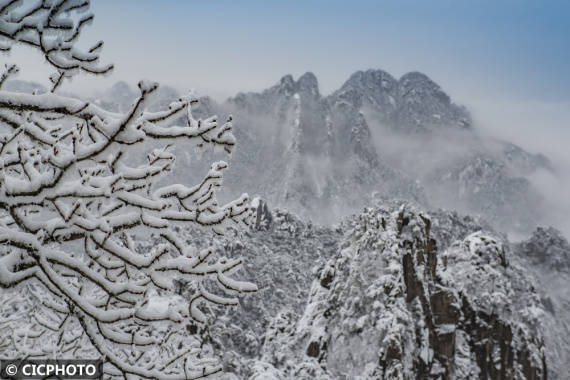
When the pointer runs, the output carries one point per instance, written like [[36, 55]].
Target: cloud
[[539, 127]]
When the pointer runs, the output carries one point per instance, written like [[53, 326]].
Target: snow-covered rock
[[393, 292], [548, 248], [545, 256], [390, 305]]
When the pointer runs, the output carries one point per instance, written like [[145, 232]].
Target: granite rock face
[[390, 305], [379, 297]]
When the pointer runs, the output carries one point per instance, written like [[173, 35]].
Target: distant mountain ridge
[[414, 103], [347, 132], [375, 138]]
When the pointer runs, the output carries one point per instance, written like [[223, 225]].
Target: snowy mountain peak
[[416, 77], [308, 84], [414, 103], [374, 89], [287, 84], [425, 106], [547, 247], [416, 83], [371, 79]]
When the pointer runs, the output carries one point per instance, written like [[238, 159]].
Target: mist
[[539, 128]]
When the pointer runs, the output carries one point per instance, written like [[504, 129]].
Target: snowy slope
[[545, 255], [390, 305], [393, 292]]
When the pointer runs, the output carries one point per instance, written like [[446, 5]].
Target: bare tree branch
[[71, 202]]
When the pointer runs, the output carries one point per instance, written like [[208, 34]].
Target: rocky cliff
[[393, 292]]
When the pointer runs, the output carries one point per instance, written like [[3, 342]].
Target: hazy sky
[[500, 49], [508, 60]]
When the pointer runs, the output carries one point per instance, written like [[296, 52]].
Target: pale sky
[[509, 49], [508, 61]]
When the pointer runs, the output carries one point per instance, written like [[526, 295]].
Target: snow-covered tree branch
[[72, 202], [48, 27]]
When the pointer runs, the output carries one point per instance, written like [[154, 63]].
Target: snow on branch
[[72, 205], [51, 27]]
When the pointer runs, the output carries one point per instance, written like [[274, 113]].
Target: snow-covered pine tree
[[71, 206]]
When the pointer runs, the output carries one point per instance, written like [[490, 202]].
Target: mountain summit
[[375, 138], [414, 103]]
